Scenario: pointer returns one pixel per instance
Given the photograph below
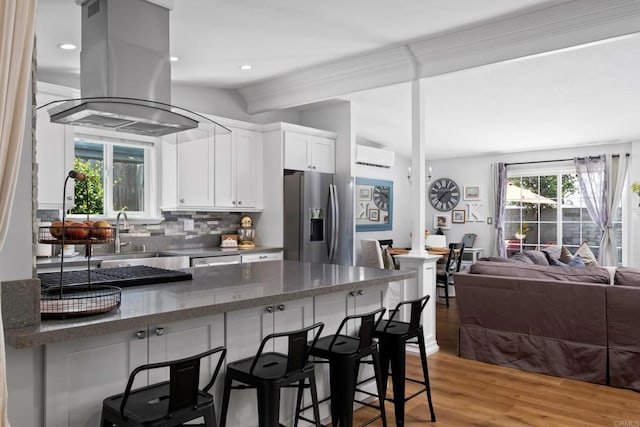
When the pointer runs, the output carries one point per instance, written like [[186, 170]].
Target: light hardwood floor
[[468, 393]]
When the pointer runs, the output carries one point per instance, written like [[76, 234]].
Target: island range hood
[[125, 72]]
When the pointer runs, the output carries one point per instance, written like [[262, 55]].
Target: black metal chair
[[444, 274], [393, 336], [169, 403], [269, 372], [344, 354]]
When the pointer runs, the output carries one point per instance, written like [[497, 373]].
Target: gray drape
[[501, 203], [601, 179]]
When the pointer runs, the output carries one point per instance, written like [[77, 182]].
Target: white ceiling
[[574, 97]]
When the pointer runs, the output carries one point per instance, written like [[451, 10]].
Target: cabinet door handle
[[159, 331], [313, 167], [281, 307], [309, 167], [360, 292], [69, 197], [141, 335], [239, 202], [269, 309], [233, 202], [352, 293], [181, 200], [263, 256]]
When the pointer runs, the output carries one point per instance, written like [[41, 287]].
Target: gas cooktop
[[120, 276]]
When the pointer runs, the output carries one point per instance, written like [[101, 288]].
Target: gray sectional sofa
[[572, 322]]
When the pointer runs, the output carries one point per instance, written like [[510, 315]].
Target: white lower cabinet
[[245, 329], [80, 373]]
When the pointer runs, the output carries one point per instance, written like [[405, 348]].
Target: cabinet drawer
[[274, 256]]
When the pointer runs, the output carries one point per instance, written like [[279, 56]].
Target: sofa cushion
[[627, 276], [521, 258], [538, 258], [556, 262], [499, 259], [587, 256], [568, 274]]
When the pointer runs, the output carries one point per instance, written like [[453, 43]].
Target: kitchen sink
[[151, 259]]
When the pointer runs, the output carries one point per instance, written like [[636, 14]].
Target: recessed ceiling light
[[246, 67], [173, 58], [67, 46]]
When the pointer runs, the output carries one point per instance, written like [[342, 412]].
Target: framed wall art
[[458, 216], [442, 220], [374, 204], [471, 192]]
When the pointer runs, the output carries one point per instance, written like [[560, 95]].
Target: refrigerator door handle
[[330, 225], [336, 222]]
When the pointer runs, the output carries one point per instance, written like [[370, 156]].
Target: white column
[[418, 175], [426, 267]]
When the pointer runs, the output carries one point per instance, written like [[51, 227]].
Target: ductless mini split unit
[[376, 157]]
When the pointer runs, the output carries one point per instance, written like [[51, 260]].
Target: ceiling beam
[[557, 26]]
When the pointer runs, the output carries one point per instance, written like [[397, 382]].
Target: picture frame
[[458, 216], [364, 193], [442, 220], [374, 204], [471, 192]]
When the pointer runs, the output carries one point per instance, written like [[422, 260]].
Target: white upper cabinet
[[54, 151], [308, 152], [238, 170], [209, 169]]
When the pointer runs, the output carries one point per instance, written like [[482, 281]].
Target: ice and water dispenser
[[316, 229]]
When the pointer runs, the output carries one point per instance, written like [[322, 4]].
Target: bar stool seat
[[344, 354], [169, 403], [268, 372], [393, 336]]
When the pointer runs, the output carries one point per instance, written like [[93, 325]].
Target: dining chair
[[444, 274]]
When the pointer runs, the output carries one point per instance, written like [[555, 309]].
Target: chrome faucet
[[117, 243]]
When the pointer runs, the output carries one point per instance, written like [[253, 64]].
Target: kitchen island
[[87, 359]]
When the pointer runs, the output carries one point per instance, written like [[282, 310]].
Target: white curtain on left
[[17, 19]]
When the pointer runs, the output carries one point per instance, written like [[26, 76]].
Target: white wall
[[402, 220], [478, 171]]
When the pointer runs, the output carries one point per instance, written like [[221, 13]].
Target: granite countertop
[[213, 290]]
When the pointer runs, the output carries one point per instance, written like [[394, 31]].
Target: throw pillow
[[565, 255], [587, 256], [387, 260], [553, 252], [576, 262], [538, 258], [556, 263]]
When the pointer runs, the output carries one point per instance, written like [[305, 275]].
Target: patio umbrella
[[522, 195]]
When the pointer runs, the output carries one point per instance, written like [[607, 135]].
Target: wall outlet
[[188, 225]]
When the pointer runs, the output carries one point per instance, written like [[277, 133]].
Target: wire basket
[[71, 301], [75, 235]]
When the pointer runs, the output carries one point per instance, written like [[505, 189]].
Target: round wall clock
[[381, 197], [444, 194]]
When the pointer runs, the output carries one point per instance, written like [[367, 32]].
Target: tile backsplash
[[170, 232]]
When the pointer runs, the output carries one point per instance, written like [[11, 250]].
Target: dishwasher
[[215, 260]]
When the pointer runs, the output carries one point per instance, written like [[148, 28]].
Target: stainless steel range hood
[[125, 77]]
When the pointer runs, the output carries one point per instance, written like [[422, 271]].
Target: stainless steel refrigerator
[[312, 229]]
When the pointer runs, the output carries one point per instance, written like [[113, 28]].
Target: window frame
[[561, 168], [108, 140]]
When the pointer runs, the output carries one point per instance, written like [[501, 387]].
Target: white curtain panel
[[617, 170], [17, 18]]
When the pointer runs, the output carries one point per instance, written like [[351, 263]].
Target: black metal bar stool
[[393, 336], [170, 403], [344, 354], [269, 372]]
